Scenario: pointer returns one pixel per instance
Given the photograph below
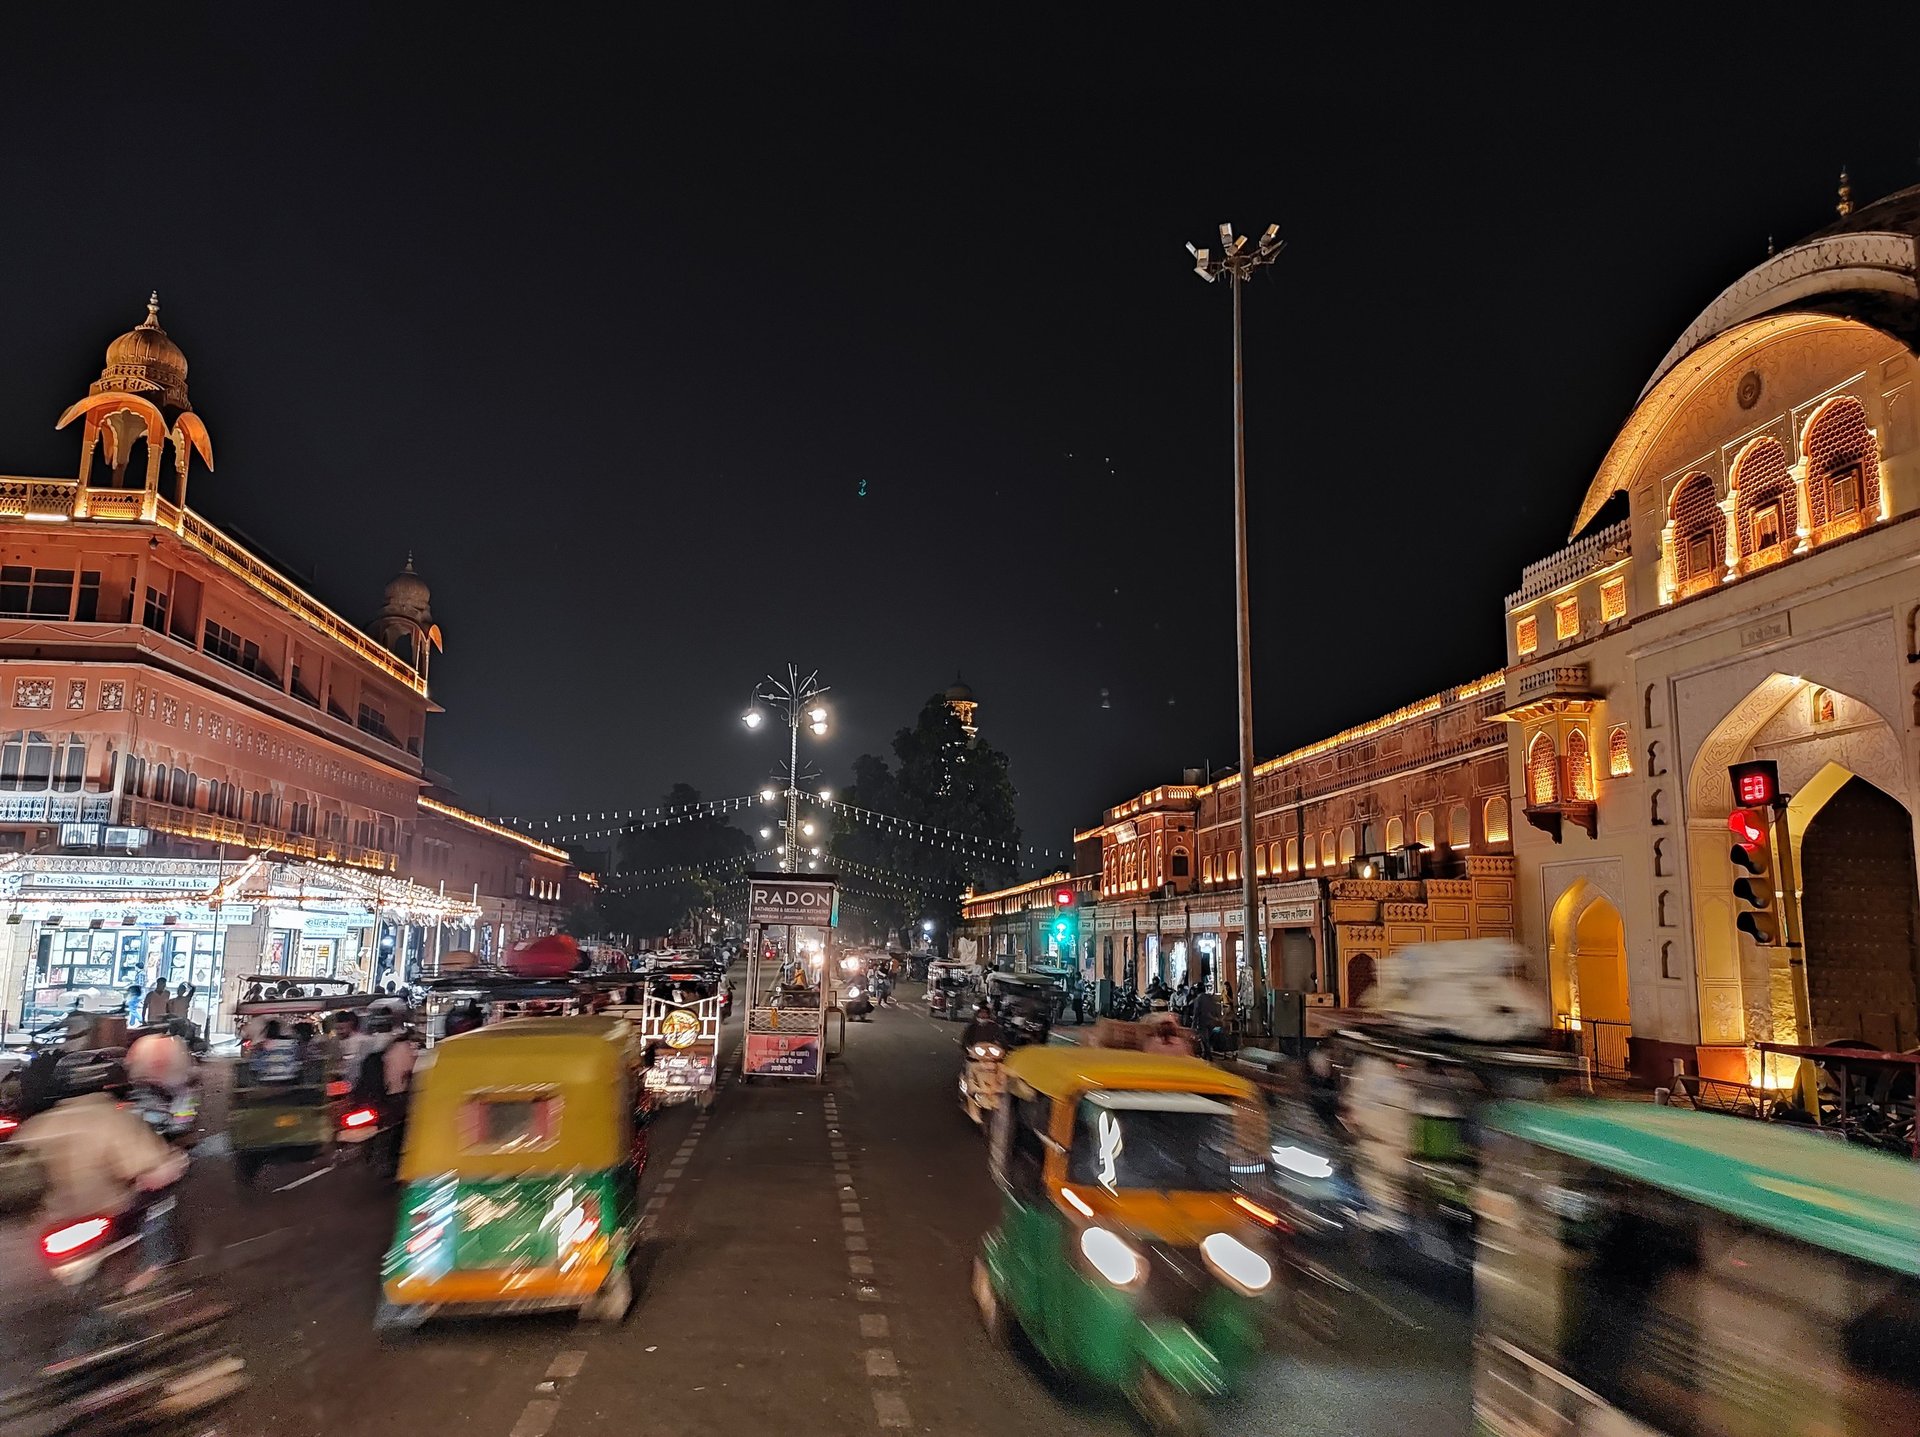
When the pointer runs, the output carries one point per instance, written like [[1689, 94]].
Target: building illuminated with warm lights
[[205, 771], [1740, 585]]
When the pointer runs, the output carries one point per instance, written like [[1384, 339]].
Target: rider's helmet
[[101, 1070]]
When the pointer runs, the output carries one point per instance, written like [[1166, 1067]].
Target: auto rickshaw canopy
[[1859, 1204], [1065, 1071], [580, 1068]]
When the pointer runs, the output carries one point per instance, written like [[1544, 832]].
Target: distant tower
[[405, 623], [141, 394], [960, 699]]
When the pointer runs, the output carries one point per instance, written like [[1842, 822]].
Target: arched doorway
[[1587, 975], [1360, 977], [1861, 912]]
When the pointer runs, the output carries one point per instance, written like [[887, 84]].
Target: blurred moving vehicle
[[1127, 1251], [952, 990], [1661, 1273], [519, 1174]]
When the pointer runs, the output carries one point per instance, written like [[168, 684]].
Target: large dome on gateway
[[147, 362]]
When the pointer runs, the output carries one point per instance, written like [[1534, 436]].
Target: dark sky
[[612, 324]]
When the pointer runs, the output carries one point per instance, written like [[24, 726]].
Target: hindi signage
[[792, 899]]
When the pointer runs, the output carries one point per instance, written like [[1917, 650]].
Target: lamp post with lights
[[1237, 263], [797, 700]]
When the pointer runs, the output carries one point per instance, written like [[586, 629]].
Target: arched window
[[1543, 777], [182, 794], [161, 783], [1843, 469], [1619, 755], [1396, 834], [1459, 827], [1423, 828], [1293, 855], [1233, 866], [133, 775], [1346, 843], [1180, 864], [1579, 765], [1326, 848], [1260, 860], [1370, 838], [1495, 821], [1699, 535], [1765, 522]]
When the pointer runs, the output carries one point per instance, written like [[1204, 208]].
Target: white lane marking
[[663, 1187], [302, 1182], [859, 1266], [855, 1243], [257, 1237], [568, 1364], [890, 1410], [873, 1324], [853, 1224], [536, 1419], [881, 1363]]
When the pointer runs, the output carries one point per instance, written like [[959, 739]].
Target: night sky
[[677, 355]]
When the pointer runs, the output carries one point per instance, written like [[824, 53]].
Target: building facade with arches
[[1741, 584]]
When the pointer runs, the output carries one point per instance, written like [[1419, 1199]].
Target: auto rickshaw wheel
[[1168, 1411], [392, 1317], [993, 1315], [611, 1302]]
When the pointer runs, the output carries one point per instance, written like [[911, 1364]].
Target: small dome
[[408, 597], [145, 361], [959, 693]]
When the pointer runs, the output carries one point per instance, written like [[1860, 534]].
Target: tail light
[[75, 1237], [7, 1125], [339, 1088], [359, 1118]]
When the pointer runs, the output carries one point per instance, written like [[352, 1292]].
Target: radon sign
[[791, 900]]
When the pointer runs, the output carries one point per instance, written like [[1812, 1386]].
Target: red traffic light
[[1747, 826], [1063, 897], [1756, 783]]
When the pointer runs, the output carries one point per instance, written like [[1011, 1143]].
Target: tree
[[946, 782], [671, 871]]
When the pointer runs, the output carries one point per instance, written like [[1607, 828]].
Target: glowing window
[[1566, 618], [1619, 755], [1396, 834], [1700, 534], [1843, 466], [1423, 828], [1613, 599], [1346, 844], [1326, 848], [1495, 821], [1259, 860], [1526, 634], [1765, 486], [1543, 771], [1579, 765], [1459, 827], [1293, 855], [1233, 867]]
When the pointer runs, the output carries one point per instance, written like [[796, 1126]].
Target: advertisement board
[[790, 898]]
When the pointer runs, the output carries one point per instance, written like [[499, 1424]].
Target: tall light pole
[[1237, 262], [798, 701]]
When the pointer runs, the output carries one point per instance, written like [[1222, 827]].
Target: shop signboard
[[783, 1043], [89, 881], [1291, 915], [1173, 923], [110, 916], [318, 925], [790, 898]]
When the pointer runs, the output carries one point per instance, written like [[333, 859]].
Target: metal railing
[[1603, 1044]]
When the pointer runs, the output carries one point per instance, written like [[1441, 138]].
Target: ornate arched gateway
[[1862, 919]]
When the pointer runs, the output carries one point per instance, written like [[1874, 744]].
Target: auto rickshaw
[[1666, 1273], [1126, 1251], [518, 1175], [286, 1095]]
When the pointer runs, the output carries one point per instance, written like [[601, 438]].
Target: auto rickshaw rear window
[[1164, 1142], [509, 1122]]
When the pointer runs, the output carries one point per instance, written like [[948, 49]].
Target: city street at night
[[805, 1264]]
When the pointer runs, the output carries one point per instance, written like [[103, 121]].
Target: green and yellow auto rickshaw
[[519, 1175], [1126, 1251], [1651, 1272]]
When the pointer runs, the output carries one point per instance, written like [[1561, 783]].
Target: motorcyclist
[[1158, 993], [162, 1061], [983, 1028], [101, 1160]]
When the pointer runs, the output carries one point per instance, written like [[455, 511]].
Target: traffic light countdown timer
[[1756, 789]]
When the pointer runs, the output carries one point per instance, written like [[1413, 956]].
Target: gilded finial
[[153, 309], [1845, 207], [409, 561]]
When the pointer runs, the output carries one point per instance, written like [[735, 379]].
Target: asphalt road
[[805, 1271]]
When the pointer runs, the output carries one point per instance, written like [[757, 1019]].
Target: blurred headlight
[[1237, 1263], [1301, 1162], [1118, 1263]]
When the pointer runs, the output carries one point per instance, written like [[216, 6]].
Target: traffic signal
[[1752, 856]]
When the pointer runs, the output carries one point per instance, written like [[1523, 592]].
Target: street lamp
[[797, 700], [1238, 264]]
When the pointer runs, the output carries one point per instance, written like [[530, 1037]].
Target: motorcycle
[[132, 1363], [980, 1081], [859, 1004], [173, 1116]]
